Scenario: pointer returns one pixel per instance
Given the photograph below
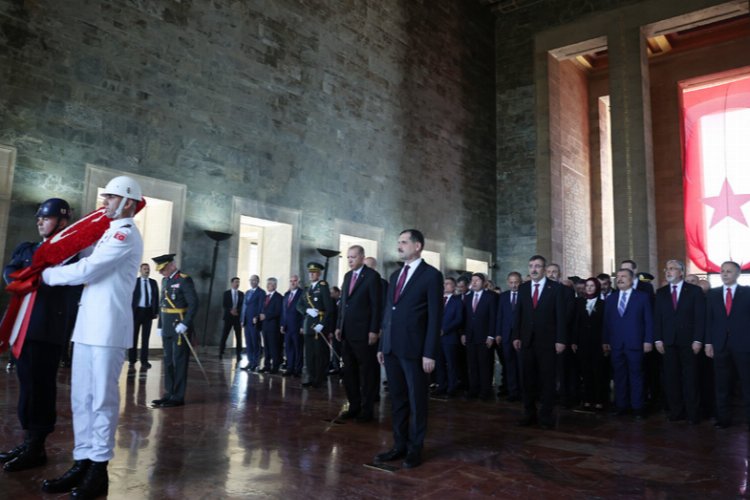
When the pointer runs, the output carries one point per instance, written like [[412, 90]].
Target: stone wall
[[378, 112]]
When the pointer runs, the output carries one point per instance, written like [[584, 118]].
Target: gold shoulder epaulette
[[323, 283], [183, 275]]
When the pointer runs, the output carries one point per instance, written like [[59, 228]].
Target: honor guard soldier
[[179, 303], [317, 306], [102, 335], [52, 318]]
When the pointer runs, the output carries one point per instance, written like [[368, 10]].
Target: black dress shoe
[[512, 399], [619, 412], [145, 364], [390, 455], [264, 370], [306, 384], [639, 414], [161, 401], [286, 374], [412, 460], [171, 403], [69, 480], [721, 424], [32, 456], [363, 418], [95, 482], [7, 456], [350, 414], [527, 421]]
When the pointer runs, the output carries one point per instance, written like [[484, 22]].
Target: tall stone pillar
[[632, 148]]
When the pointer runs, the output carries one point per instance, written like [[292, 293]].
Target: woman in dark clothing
[[587, 344]]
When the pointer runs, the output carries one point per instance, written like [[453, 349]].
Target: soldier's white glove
[[158, 332], [180, 328], [312, 312], [318, 328]]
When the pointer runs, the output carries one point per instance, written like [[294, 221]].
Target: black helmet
[[54, 207]]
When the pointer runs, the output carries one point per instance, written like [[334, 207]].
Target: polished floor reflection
[[260, 436]]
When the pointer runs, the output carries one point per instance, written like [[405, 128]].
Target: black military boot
[[69, 480], [33, 455], [95, 483], [7, 456]]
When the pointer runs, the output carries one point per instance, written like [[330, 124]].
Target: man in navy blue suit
[[628, 334], [728, 342], [446, 370], [408, 346], [358, 329], [506, 307], [250, 317], [270, 320], [480, 312], [679, 328], [291, 327], [540, 334]]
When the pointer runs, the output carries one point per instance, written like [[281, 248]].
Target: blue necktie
[[621, 304]]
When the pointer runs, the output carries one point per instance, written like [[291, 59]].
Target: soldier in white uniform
[[103, 334]]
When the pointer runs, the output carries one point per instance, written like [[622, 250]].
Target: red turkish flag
[[716, 179], [53, 251]]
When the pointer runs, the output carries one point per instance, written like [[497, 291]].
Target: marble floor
[[263, 436]]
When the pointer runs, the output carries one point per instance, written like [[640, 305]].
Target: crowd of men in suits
[[589, 344]]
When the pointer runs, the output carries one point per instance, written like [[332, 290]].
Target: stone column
[[632, 149]]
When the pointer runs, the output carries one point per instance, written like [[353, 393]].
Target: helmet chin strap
[[118, 212]]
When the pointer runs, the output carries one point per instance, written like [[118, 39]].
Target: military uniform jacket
[[180, 290], [317, 296], [105, 317]]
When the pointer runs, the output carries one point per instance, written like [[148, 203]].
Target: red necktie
[[268, 299], [475, 302], [400, 284], [289, 300], [535, 297], [674, 297], [352, 282], [728, 301]]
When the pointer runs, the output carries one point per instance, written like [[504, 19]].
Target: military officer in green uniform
[[317, 306], [178, 306]]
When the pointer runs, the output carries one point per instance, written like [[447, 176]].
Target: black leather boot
[[69, 480], [33, 455], [7, 456], [95, 483]]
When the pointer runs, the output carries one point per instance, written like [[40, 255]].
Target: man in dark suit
[[358, 329], [250, 318], [727, 341], [480, 316], [291, 327], [446, 369], [505, 310], [408, 346], [628, 334], [270, 320], [232, 304], [679, 328], [540, 334], [145, 311], [652, 363]]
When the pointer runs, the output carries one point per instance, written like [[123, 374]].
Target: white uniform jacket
[[105, 316]]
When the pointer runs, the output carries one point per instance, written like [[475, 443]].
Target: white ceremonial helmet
[[124, 186]]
